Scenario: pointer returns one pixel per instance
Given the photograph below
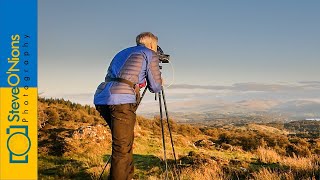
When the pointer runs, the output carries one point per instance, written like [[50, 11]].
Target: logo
[[18, 144]]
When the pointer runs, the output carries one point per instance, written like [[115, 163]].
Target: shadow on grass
[[257, 165], [147, 162], [53, 167], [142, 162], [106, 157], [54, 140], [145, 165]]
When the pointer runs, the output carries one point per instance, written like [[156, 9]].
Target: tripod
[[162, 102]]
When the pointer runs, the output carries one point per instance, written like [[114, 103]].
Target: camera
[[164, 58], [18, 144]]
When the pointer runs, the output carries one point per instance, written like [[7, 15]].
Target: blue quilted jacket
[[136, 64]]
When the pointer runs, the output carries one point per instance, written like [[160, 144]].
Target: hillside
[[75, 143]]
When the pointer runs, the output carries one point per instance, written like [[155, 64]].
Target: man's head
[[147, 39]]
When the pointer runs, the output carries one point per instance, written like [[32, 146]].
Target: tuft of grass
[[267, 155], [303, 166], [212, 171], [267, 174]]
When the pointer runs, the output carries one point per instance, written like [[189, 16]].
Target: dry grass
[[95, 172], [204, 172], [234, 154], [267, 155], [300, 163], [290, 167], [295, 163], [267, 174], [83, 158]]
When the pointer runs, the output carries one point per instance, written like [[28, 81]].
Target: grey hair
[[146, 37]]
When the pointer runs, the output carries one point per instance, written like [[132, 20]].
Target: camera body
[[163, 58]]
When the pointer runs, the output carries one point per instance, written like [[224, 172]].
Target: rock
[[226, 146], [196, 159], [235, 162], [220, 160], [203, 143], [94, 132]]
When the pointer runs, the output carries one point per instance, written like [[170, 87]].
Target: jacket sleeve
[[154, 81]]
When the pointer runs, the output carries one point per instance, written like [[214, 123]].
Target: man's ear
[[154, 48]]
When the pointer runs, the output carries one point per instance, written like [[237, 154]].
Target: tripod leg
[[105, 167], [144, 92], [172, 144], [163, 140]]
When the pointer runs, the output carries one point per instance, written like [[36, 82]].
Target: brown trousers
[[121, 119]]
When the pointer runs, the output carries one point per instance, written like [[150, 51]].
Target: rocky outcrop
[[203, 143], [91, 132]]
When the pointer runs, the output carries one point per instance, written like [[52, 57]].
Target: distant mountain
[[208, 106], [243, 106], [296, 109], [258, 105], [303, 108]]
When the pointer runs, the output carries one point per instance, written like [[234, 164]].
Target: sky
[[211, 43]]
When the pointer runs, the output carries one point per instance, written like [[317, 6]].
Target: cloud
[[252, 86], [264, 87], [309, 82], [189, 98], [189, 86]]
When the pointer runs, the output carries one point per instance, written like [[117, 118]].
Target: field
[[75, 143]]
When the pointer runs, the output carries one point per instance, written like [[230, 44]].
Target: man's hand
[[143, 84]]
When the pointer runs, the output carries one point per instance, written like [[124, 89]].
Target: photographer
[[117, 98]]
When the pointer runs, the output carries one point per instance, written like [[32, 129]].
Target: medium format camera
[[164, 58]]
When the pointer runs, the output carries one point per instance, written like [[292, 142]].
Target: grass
[[65, 153], [52, 167]]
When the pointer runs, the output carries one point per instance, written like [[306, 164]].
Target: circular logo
[[18, 144]]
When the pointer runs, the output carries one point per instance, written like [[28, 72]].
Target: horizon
[[225, 51]]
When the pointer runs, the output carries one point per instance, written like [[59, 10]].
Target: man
[[117, 98]]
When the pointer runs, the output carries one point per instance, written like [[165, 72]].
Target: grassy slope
[[64, 153]]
